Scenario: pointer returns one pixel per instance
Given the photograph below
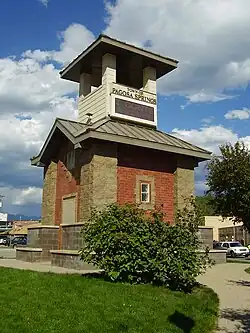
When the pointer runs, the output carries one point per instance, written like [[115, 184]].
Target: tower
[[117, 80], [114, 152]]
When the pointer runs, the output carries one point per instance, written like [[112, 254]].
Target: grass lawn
[[247, 270], [33, 302]]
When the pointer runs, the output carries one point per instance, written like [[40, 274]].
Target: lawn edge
[[215, 325], [247, 270]]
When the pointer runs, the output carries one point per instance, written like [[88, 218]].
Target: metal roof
[[123, 132], [105, 44]]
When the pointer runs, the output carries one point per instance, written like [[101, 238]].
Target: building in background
[[227, 229], [3, 217], [20, 228], [4, 223]]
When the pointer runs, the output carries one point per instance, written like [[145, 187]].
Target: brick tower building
[[114, 151]]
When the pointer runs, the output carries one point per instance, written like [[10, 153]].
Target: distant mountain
[[17, 217]]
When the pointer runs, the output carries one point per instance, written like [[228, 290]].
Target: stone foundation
[[71, 236], [69, 259], [218, 256], [41, 239], [29, 254]]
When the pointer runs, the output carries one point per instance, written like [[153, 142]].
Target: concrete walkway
[[7, 252], [232, 284], [41, 267]]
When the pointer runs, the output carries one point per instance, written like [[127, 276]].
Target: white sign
[[3, 217], [138, 95]]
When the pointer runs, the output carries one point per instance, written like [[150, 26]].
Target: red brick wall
[[133, 161], [66, 184]]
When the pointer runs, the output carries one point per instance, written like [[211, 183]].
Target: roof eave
[[201, 156], [36, 161], [103, 38]]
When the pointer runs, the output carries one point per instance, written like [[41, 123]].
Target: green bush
[[132, 247]]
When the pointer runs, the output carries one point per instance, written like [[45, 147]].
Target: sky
[[205, 101]]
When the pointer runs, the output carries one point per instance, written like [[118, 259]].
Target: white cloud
[[246, 141], [210, 137], [73, 41], [17, 197], [210, 38], [238, 114], [44, 2], [26, 85], [208, 120], [203, 97], [28, 195], [32, 95]]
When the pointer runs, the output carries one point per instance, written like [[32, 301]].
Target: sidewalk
[[232, 284], [41, 267]]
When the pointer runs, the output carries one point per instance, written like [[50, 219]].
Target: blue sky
[[206, 101]]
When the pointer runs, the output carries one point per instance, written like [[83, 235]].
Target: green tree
[[228, 180], [205, 205]]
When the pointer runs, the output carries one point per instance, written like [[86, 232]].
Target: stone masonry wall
[[28, 256], [45, 238], [71, 261], [33, 238], [98, 184], [108, 172], [218, 257], [49, 194], [93, 180], [104, 168], [71, 237], [135, 164], [184, 180], [85, 193]]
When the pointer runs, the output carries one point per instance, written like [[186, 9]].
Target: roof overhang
[[93, 134], [201, 156], [92, 56], [38, 160]]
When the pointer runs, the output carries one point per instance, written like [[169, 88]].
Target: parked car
[[4, 240], [218, 246], [16, 241], [235, 249]]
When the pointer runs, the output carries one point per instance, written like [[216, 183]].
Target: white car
[[235, 249]]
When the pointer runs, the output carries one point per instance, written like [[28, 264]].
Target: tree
[[228, 180], [205, 205], [133, 247]]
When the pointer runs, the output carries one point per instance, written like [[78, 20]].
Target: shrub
[[132, 247]]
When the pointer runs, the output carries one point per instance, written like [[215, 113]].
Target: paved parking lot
[[7, 252]]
